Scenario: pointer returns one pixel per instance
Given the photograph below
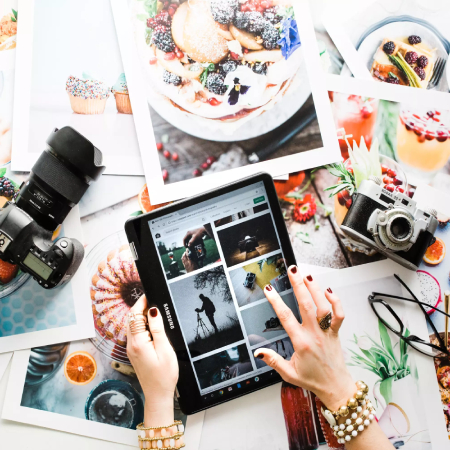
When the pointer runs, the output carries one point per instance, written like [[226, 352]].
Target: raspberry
[[171, 78], [162, 38], [414, 40], [422, 62], [420, 72], [163, 18], [215, 83], [159, 146], [224, 11], [411, 57], [270, 36], [197, 173], [389, 47], [165, 174]]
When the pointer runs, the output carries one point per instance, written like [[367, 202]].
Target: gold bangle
[[175, 436], [170, 448], [141, 427]]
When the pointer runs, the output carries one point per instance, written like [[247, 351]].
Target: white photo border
[[159, 192], [21, 159]]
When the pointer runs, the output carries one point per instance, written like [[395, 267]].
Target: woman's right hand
[[318, 362]]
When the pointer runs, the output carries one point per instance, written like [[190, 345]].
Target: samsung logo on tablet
[[169, 316]]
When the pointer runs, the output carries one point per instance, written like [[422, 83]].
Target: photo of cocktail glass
[[357, 115], [423, 142]]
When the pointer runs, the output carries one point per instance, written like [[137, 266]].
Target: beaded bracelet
[[148, 442], [360, 410]]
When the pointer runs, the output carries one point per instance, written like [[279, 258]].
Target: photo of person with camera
[[186, 249], [206, 311]]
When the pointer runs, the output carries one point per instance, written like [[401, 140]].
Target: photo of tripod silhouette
[[206, 311]]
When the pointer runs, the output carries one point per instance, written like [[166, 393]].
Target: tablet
[[204, 263]]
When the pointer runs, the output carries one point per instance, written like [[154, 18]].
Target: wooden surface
[[326, 249], [193, 151]]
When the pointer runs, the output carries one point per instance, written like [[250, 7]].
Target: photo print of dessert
[[249, 280], [8, 24], [248, 240], [85, 88], [187, 248], [206, 311], [406, 43], [227, 87]]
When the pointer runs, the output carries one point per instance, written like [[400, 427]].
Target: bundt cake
[[115, 289]]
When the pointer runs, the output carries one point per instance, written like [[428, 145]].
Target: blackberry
[[392, 80], [411, 57], [270, 14], [240, 21], [228, 66], [162, 38], [270, 36], [215, 83], [251, 21], [420, 72], [7, 189], [389, 47], [414, 40], [171, 78], [422, 62], [260, 68], [223, 11]]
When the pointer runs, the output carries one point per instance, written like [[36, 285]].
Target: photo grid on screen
[[217, 257]]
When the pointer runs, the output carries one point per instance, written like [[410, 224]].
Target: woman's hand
[[156, 366], [318, 362]]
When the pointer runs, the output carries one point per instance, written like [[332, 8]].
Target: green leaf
[[15, 13], [385, 339], [151, 6], [304, 237], [386, 389], [142, 17], [2, 172], [136, 213]]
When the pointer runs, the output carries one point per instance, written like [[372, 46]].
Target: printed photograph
[[86, 90], [414, 140], [206, 311], [223, 366], [188, 250], [249, 281], [76, 379], [262, 324], [283, 347], [8, 25], [404, 43], [248, 240], [241, 214]]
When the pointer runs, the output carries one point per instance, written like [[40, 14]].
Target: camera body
[[57, 182], [273, 322], [197, 252], [249, 281], [391, 223], [24, 242], [248, 244]]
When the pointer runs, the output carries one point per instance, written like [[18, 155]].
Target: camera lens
[[60, 177], [399, 228]]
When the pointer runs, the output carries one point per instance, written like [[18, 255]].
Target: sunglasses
[[392, 321]]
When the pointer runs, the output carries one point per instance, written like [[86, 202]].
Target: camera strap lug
[[133, 251]]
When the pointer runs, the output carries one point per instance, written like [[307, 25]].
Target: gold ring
[[132, 317], [325, 321]]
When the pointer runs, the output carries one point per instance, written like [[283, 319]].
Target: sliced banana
[[245, 38], [175, 66]]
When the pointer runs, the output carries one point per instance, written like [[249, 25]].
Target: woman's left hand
[[155, 363]]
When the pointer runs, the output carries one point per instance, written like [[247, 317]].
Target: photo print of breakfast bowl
[[212, 66], [406, 43]]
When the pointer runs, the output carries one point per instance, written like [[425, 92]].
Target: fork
[[437, 73]]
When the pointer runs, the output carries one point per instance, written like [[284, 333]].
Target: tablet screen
[[217, 257]]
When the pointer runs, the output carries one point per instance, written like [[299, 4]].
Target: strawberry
[[7, 271]]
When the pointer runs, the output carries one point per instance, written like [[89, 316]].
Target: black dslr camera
[[248, 244], [391, 223], [273, 322], [197, 252], [58, 181]]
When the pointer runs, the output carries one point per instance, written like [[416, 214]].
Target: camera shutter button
[[63, 244]]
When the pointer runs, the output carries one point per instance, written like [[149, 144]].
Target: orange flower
[[305, 208]]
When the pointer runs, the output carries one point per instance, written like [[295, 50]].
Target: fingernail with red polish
[[309, 278], [269, 287], [260, 356], [294, 269], [329, 290], [153, 312]]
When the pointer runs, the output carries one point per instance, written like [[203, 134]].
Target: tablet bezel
[[155, 286]]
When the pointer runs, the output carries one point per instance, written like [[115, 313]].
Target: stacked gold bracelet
[[162, 440], [352, 418]]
